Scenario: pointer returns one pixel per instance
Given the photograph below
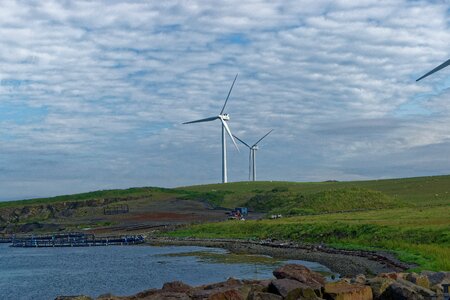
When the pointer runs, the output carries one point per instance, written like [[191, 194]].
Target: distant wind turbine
[[224, 118], [441, 66], [252, 156]]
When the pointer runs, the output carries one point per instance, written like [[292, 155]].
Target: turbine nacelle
[[225, 117], [255, 147]]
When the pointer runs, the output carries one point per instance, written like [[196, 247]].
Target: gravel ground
[[345, 262]]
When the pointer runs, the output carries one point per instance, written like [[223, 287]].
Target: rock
[[345, 291], [79, 297], [226, 295], [361, 279], [256, 295], [108, 297], [301, 274], [421, 280], [293, 289], [231, 282], [144, 294], [379, 285], [176, 286], [392, 275], [436, 277], [404, 290]]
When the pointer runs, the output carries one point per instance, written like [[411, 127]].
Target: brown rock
[[292, 289], [226, 295], [404, 290], [361, 279], [346, 291], [79, 297], [256, 295], [392, 275], [231, 282], [301, 274], [421, 280], [436, 277], [379, 286], [109, 297], [176, 286]]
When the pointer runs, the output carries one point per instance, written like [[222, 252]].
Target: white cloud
[[95, 91]]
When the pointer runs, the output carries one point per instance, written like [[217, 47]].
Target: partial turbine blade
[[441, 66], [262, 138], [202, 120], [242, 141], [228, 96], [229, 133]]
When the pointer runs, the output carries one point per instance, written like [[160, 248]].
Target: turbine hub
[[255, 148], [225, 117]]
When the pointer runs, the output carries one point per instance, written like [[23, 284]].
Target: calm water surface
[[45, 273]]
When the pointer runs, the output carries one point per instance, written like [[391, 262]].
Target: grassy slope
[[418, 231], [418, 191]]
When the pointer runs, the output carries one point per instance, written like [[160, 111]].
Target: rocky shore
[[347, 263], [295, 281]]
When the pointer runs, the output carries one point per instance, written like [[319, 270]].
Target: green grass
[[153, 192], [418, 191], [420, 236], [285, 202]]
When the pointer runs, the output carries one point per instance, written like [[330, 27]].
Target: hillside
[[407, 216]]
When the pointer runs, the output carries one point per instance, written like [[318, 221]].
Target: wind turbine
[[224, 118], [441, 66], [252, 156]]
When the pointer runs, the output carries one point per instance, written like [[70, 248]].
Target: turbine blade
[[228, 96], [262, 138], [229, 133], [441, 66], [241, 141], [202, 120]]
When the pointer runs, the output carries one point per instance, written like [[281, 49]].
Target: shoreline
[[344, 262]]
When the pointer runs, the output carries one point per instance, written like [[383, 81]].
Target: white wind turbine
[[252, 156], [224, 118]]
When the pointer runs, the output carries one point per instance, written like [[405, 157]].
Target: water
[[44, 273]]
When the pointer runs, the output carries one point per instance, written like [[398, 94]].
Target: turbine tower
[[224, 118], [441, 66], [252, 156]]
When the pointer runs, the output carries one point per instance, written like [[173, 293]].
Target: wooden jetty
[[74, 240]]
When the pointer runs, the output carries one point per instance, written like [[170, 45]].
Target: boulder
[[404, 290], [78, 297], [379, 286], [300, 273], [436, 277], [361, 279], [257, 295], [345, 291], [392, 275], [232, 294], [421, 280], [176, 287], [293, 289]]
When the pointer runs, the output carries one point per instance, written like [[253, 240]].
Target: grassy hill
[[409, 216]]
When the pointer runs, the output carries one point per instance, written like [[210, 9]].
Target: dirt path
[[344, 262]]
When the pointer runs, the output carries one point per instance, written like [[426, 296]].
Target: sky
[[93, 93]]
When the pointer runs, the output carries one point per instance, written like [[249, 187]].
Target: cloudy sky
[[93, 93]]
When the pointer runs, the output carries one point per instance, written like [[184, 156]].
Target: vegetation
[[409, 216], [131, 192], [418, 236], [283, 202]]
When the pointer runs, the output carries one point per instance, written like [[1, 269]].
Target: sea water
[[44, 273]]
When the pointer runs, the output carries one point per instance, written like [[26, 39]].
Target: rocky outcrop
[[298, 282], [30, 213]]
